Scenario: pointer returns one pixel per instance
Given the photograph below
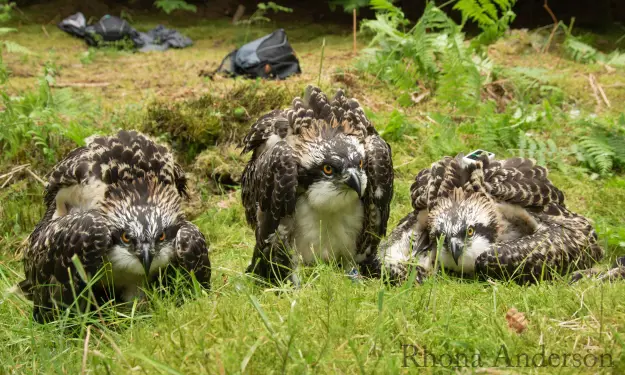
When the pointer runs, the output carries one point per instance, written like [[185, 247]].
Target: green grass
[[331, 324]]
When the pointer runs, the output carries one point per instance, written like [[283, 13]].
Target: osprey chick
[[116, 205], [318, 186], [500, 219]]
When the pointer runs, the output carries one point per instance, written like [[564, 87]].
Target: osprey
[[115, 205], [499, 219], [318, 186]]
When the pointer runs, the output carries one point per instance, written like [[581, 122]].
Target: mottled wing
[[520, 181], [563, 242], [517, 181], [124, 157], [408, 246], [272, 124], [419, 188], [192, 253], [49, 270], [269, 192], [377, 198], [269, 186]]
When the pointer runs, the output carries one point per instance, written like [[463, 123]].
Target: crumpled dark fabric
[[161, 38], [111, 29]]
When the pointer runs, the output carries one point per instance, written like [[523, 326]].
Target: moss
[[223, 164], [194, 125]]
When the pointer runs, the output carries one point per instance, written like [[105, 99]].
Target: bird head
[[333, 173], [144, 218], [469, 223]]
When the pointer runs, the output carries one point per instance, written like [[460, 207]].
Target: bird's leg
[[272, 262]]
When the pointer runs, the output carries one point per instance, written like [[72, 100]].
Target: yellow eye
[[125, 237], [162, 237], [470, 231], [360, 163], [327, 169]]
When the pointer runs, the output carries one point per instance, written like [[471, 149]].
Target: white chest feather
[[328, 234]]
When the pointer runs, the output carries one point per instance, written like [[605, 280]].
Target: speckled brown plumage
[[125, 183], [546, 238], [289, 146]]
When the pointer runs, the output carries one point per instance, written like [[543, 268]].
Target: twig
[[43, 27], [607, 67], [36, 177], [238, 14], [617, 84], [555, 26], [15, 170], [9, 176], [85, 353], [603, 95], [595, 91], [81, 84], [6, 181]]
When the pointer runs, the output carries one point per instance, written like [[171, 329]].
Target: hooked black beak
[[146, 259], [456, 250], [354, 182]]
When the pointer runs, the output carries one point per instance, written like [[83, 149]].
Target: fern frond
[[580, 51], [598, 153], [13, 47], [492, 16]]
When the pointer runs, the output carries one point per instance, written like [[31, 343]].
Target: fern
[[41, 125], [460, 83], [492, 16], [420, 54], [545, 152], [602, 152], [169, 6], [579, 51], [13, 47]]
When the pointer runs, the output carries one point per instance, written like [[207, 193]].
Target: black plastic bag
[[110, 29], [269, 57]]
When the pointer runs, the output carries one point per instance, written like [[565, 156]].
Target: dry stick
[[81, 84], [603, 95], [555, 26], [35, 176], [595, 91], [354, 12], [9, 176], [14, 170], [238, 14], [43, 27], [6, 182], [85, 352]]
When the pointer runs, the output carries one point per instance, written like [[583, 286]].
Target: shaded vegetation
[[192, 126], [428, 88]]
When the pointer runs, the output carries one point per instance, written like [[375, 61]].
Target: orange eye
[[162, 237], [361, 164], [327, 169], [125, 237], [470, 231]]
